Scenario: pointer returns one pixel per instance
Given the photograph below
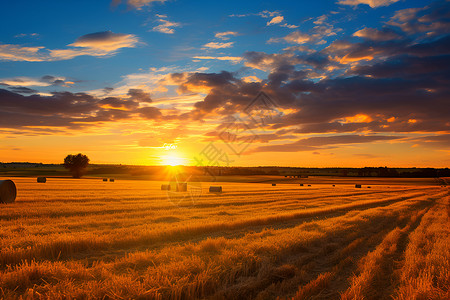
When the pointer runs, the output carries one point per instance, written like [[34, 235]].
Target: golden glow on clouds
[[359, 118]]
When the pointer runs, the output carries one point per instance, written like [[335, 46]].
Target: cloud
[[235, 59], [323, 142], [371, 3], [9, 52], [98, 44], [373, 86], [71, 110], [165, 25], [373, 34], [226, 35], [298, 37], [431, 20], [46, 80], [106, 41], [275, 20], [218, 45], [137, 4], [24, 35]]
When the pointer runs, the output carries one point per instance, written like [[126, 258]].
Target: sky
[[341, 83]]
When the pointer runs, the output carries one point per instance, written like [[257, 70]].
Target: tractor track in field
[[151, 208]]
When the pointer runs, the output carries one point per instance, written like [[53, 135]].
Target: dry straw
[[8, 191], [42, 179]]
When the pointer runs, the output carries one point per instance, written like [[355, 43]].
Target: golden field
[[128, 240]]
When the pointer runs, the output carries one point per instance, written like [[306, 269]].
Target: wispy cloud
[[218, 45], [275, 20], [165, 25], [226, 35], [23, 35], [371, 3], [137, 4], [95, 44], [229, 58], [43, 81]]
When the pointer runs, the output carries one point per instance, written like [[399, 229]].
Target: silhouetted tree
[[77, 164]]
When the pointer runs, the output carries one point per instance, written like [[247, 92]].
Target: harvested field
[[91, 239]]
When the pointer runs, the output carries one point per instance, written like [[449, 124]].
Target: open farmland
[[128, 239]]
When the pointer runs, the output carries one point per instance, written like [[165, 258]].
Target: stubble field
[[128, 239]]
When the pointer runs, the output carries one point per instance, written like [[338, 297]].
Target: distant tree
[[77, 164]]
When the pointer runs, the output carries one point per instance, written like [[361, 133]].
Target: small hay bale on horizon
[[111, 180], [105, 179], [8, 191], [274, 184], [215, 189], [41, 179], [182, 187], [357, 186], [165, 187], [301, 184]]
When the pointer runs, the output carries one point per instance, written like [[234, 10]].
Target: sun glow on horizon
[[173, 158]]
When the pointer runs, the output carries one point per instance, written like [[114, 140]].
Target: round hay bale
[[309, 185], [111, 180], [165, 187], [274, 184], [334, 185], [357, 186], [105, 179], [215, 189], [8, 191], [42, 179], [301, 184], [182, 187]]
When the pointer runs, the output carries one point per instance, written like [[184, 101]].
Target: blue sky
[[182, 54]]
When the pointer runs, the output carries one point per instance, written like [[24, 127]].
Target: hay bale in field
[[274, 184], [357, 186], [8, 191], [309, 185], [369, 187], [334, 185], [215, 189], [105, 179], [182, 187], [111, 180], [301, 184], [165, 187], [42, 179]]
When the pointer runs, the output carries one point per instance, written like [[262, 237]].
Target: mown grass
[[84, 239]]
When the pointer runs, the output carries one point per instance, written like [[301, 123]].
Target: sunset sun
[[172, 159]]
